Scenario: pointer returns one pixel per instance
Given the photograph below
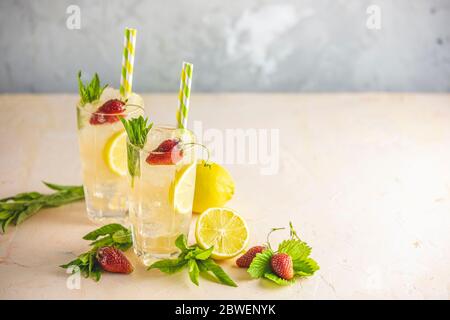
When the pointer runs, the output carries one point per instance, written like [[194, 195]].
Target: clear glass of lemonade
[[162, 191], [102, 142]]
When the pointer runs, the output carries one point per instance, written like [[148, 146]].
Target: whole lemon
[[214, 186]]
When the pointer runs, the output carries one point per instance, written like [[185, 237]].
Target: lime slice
[[115, 153], [181, 193], [224, 229]]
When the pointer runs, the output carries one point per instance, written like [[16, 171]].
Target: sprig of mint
[[110, 235], [91, 91], [298, 250], [20, 207], [196, 259], [137, 130]]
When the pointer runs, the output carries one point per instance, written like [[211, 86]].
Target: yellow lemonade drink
[[102, 142], [162, 192]]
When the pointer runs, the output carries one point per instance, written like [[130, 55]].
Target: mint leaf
[[137, 130], [108, 229], [28, 212], [169, 266], [260, 264], [295, 248], [280, 281], [122, 237], [204, 254], [18, 208], [305, 267], [193, 271], [114, 235], [221, 275], [181, 242], [89, 92], [111, 235]]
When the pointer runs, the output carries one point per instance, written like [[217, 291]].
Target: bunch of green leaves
[[110, 235], [137, 130], [197, 261], [91, 91], [298, 250], [23, 205]]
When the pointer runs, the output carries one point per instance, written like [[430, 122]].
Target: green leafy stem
[[197, 261], [137, 130], [114, 235], [20, 207]]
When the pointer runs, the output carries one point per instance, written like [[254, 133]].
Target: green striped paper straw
[[126, 77], [184, 95]]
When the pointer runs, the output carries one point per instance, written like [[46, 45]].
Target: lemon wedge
[[181, 192], [115, 153]]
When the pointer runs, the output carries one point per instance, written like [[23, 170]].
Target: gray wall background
[[235, 45]]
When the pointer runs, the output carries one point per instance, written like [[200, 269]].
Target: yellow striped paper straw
[[185, 93], [126, 78]]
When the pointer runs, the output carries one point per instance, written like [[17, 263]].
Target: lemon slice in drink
[[224, 229], [181, 192], [115, 153]]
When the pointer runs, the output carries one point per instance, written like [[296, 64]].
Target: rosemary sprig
[[20, 207], [137, 130]]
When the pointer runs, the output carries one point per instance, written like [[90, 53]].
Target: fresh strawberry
[[168, 152], [113, 260], [246, 259], [281, 264], [108, 112]]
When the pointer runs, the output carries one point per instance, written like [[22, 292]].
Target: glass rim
[[138, 108], [162, 126]]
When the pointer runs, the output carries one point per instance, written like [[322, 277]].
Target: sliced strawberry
[[167, 153], [113, 260], [167, 145], [108, 112]]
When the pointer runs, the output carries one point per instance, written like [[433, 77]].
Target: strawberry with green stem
[[283, 266]]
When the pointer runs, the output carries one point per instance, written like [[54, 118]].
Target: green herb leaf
[[295, 248], [221, 275], [181, 242], [20, 207], [114, 235], [280, 281], [261, 264], [28, 212], [137, 130], [90, 92], [108, 229], [58, 187], [193, 271], [204, 254], [169, 266]]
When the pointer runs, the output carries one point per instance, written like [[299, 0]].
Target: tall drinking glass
[[162, 191], [102, 142]]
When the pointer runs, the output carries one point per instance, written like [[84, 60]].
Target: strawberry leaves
[[298, 251], [196, 259], [261, 264]]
